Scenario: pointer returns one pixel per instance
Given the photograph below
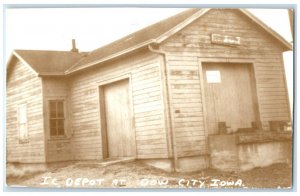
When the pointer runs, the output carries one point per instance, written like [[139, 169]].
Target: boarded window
[[22, 123], [57, 118]]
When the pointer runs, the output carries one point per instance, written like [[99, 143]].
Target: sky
[[54, 28]]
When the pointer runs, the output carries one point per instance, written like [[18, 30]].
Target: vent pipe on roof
[[74, 49]]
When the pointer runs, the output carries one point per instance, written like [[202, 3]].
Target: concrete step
[[106, 162]]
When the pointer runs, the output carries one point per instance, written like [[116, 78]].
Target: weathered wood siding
[[147, 101], [193, 42], [24, 87], [58, 149]]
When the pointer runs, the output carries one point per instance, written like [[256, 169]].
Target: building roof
[[157, 33], [49, 62], [145, 35], [61, 62]]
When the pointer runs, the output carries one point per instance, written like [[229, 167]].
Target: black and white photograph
[[149, 97]]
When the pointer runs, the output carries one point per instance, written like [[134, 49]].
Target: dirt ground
[[138, 175]]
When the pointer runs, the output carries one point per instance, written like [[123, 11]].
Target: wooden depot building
[[193, 91]]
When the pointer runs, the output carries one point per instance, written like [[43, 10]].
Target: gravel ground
[[138, 175]]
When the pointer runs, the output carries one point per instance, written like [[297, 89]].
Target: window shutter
[[22, 123]]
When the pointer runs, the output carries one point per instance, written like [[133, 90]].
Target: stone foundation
[[223, 152], [164, 164], [264, 154], [195, 163], [185, 164], [235, 152], [240, 152]]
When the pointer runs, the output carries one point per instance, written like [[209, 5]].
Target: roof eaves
[[74, 69], [52, 74], [76, 64], [268, 29]]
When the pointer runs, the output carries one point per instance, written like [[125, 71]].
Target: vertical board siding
[[146, 96], [57, 149], [23, 86], [194, 42]]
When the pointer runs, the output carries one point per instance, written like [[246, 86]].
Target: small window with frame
[[56, 118], [213, 76]]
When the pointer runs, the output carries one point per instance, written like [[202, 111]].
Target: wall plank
[[194, 42], [146, 98], [23, 86]]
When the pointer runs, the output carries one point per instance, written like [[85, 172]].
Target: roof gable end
[[15, 55], [268, 29], [43, 62]]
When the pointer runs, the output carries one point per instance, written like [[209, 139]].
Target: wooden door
[[230, 95], [120, 135]]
